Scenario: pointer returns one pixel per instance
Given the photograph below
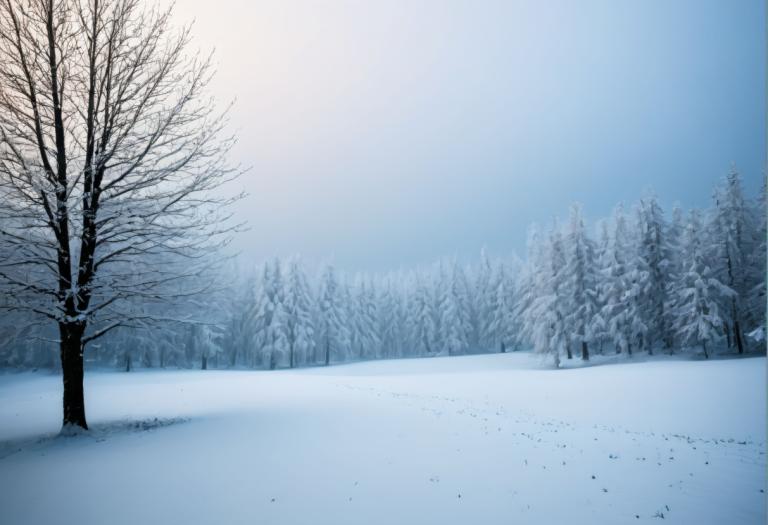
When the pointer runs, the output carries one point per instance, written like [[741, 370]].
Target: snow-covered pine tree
[[756, 298], [698, 293], [579, 286], [545, 316], [388, 321], [462, 292], [504, 323], [333, 332], [363, 316], [278, 348], [299, 309], [732, 237], [599, 325], [526, 281], [616, 285], [422, 320], [484, 297], [653, 264], [453, 326], [675, 233]]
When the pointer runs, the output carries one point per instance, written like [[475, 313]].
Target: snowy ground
[[486, 439]]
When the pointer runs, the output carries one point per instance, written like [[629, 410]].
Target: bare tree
[[111, 157]]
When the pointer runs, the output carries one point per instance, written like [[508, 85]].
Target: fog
[[387, 134]]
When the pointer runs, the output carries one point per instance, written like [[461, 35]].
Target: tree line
[[635, 282]]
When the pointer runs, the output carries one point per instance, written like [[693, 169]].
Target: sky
[[388, 134]]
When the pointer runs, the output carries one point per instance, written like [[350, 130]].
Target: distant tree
[[454, 326], [299, 310], [504, 321], [333, 330], [423, 325]]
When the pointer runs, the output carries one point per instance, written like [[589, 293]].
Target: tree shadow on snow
[[96, 433]]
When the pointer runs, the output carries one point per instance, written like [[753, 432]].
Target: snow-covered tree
[[299, 310], [616, 285], [504, 323], [652, 263], [731, 235], [545, 315], [698, 293], [422, 320], [333, 331], [579, 282], [364, 321], [111, 154], [454, 324]]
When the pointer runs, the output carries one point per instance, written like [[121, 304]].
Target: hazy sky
[[389, 133]]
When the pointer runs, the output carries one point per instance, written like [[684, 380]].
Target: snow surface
[[480, 439]]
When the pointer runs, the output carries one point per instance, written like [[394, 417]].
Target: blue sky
[[388, 134]]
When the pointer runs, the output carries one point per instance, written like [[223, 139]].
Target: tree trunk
[[205, 363], [727, 329], [327, 353], [72, 373], [736, 327], [568, 350], [503, 348], [704, 347], [584, 351], [737, 336]]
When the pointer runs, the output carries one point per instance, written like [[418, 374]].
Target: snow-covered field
[[481, 439]]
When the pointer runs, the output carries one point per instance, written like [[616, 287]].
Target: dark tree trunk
[[72, 373], [327, 353], [568, 350], [737, 336], [584, 351], [503, 348], [704, 347], [204, 365], [292, 362], [727, 329]]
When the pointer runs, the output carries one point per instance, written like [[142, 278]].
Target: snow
[[478, 439]]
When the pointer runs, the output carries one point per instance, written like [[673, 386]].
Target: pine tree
[[545, 315], [579, 282], [423, 323], [731, 232], [298, 306], [599, 324], [616, 287], [698, 293], [504, 323], [334, 336], [454, 326], [653, 257], [484, 296]]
